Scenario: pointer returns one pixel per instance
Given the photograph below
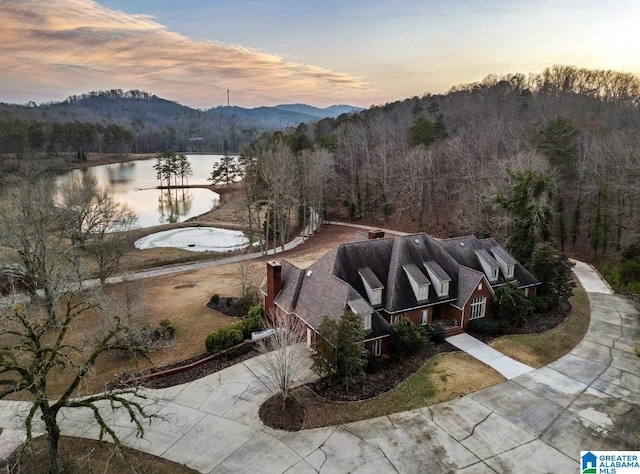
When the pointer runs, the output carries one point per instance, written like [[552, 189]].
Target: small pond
[[195, 239], [133, 183]]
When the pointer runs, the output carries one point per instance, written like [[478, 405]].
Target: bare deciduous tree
[[39, 340], [34, 228], [96, 222], [283, 354], [32, 348]]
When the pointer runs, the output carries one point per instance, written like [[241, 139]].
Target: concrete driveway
[[537, 422]]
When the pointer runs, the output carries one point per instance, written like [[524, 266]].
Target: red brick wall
[[486, 292]]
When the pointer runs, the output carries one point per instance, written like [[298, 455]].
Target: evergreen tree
[[528, 207], [553, 270], [422, 133], [340, 355]]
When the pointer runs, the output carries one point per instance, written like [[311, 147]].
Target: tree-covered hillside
[[145, 124], [453, 164]]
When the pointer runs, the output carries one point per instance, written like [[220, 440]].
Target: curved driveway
[[537, 422]]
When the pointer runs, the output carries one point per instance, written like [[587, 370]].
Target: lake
[[133, 182]]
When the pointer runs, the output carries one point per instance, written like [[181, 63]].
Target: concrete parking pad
[[345, 452], [571, 434], [578, 368], [528, 410], [459, 417], [495, 435], [257, 452], [552, 385], [209, 443], [411, 442], [534, 457]]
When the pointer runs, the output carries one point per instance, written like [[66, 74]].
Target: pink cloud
[[72, 46]]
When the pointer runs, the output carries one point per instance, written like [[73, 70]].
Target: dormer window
[[419, 282], [372, 286], [505, 261], [366, 322], [439, 278], [361, 307], [490, 265], [510, 271]]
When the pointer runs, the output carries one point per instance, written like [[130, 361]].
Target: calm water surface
[[132, 183]]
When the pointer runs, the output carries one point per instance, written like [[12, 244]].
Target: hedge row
[[490, 327], [236, 333]]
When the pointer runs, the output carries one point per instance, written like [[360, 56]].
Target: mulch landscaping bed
[[538, 324], [388, 375], [287, 416], [193, 373]]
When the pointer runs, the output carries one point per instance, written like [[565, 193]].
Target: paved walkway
[[537, 422], [508, 367]]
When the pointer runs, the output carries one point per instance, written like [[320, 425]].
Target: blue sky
[[268, 52]]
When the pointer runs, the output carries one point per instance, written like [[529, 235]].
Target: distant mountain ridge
[[285, 115], [158, 123]]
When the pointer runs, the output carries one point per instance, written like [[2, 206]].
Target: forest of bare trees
[[438, 163]]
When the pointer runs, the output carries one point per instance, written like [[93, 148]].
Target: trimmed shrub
[[406, 338], [215, 299], [436, 333], [374, 364], [250, 325], [238, 351], [489, 327], [167, 330], [223, 339]]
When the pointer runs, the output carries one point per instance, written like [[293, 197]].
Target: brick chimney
[[274, 285], [376, 234]]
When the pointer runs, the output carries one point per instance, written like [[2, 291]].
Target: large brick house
[[385, 280]]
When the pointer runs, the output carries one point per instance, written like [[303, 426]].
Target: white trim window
[[366, 322], [396, 318], [478, 307], [376, 347], [424, 316]]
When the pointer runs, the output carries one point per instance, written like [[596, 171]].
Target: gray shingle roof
[[414, 272], [487, 257], [468, 282], [437, 270], [370, 278], [291, 281], [414, 250], [329, 285], [463, 249], [360, 306], [504, 255]]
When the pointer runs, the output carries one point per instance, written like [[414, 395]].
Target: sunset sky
[[268, 52]]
